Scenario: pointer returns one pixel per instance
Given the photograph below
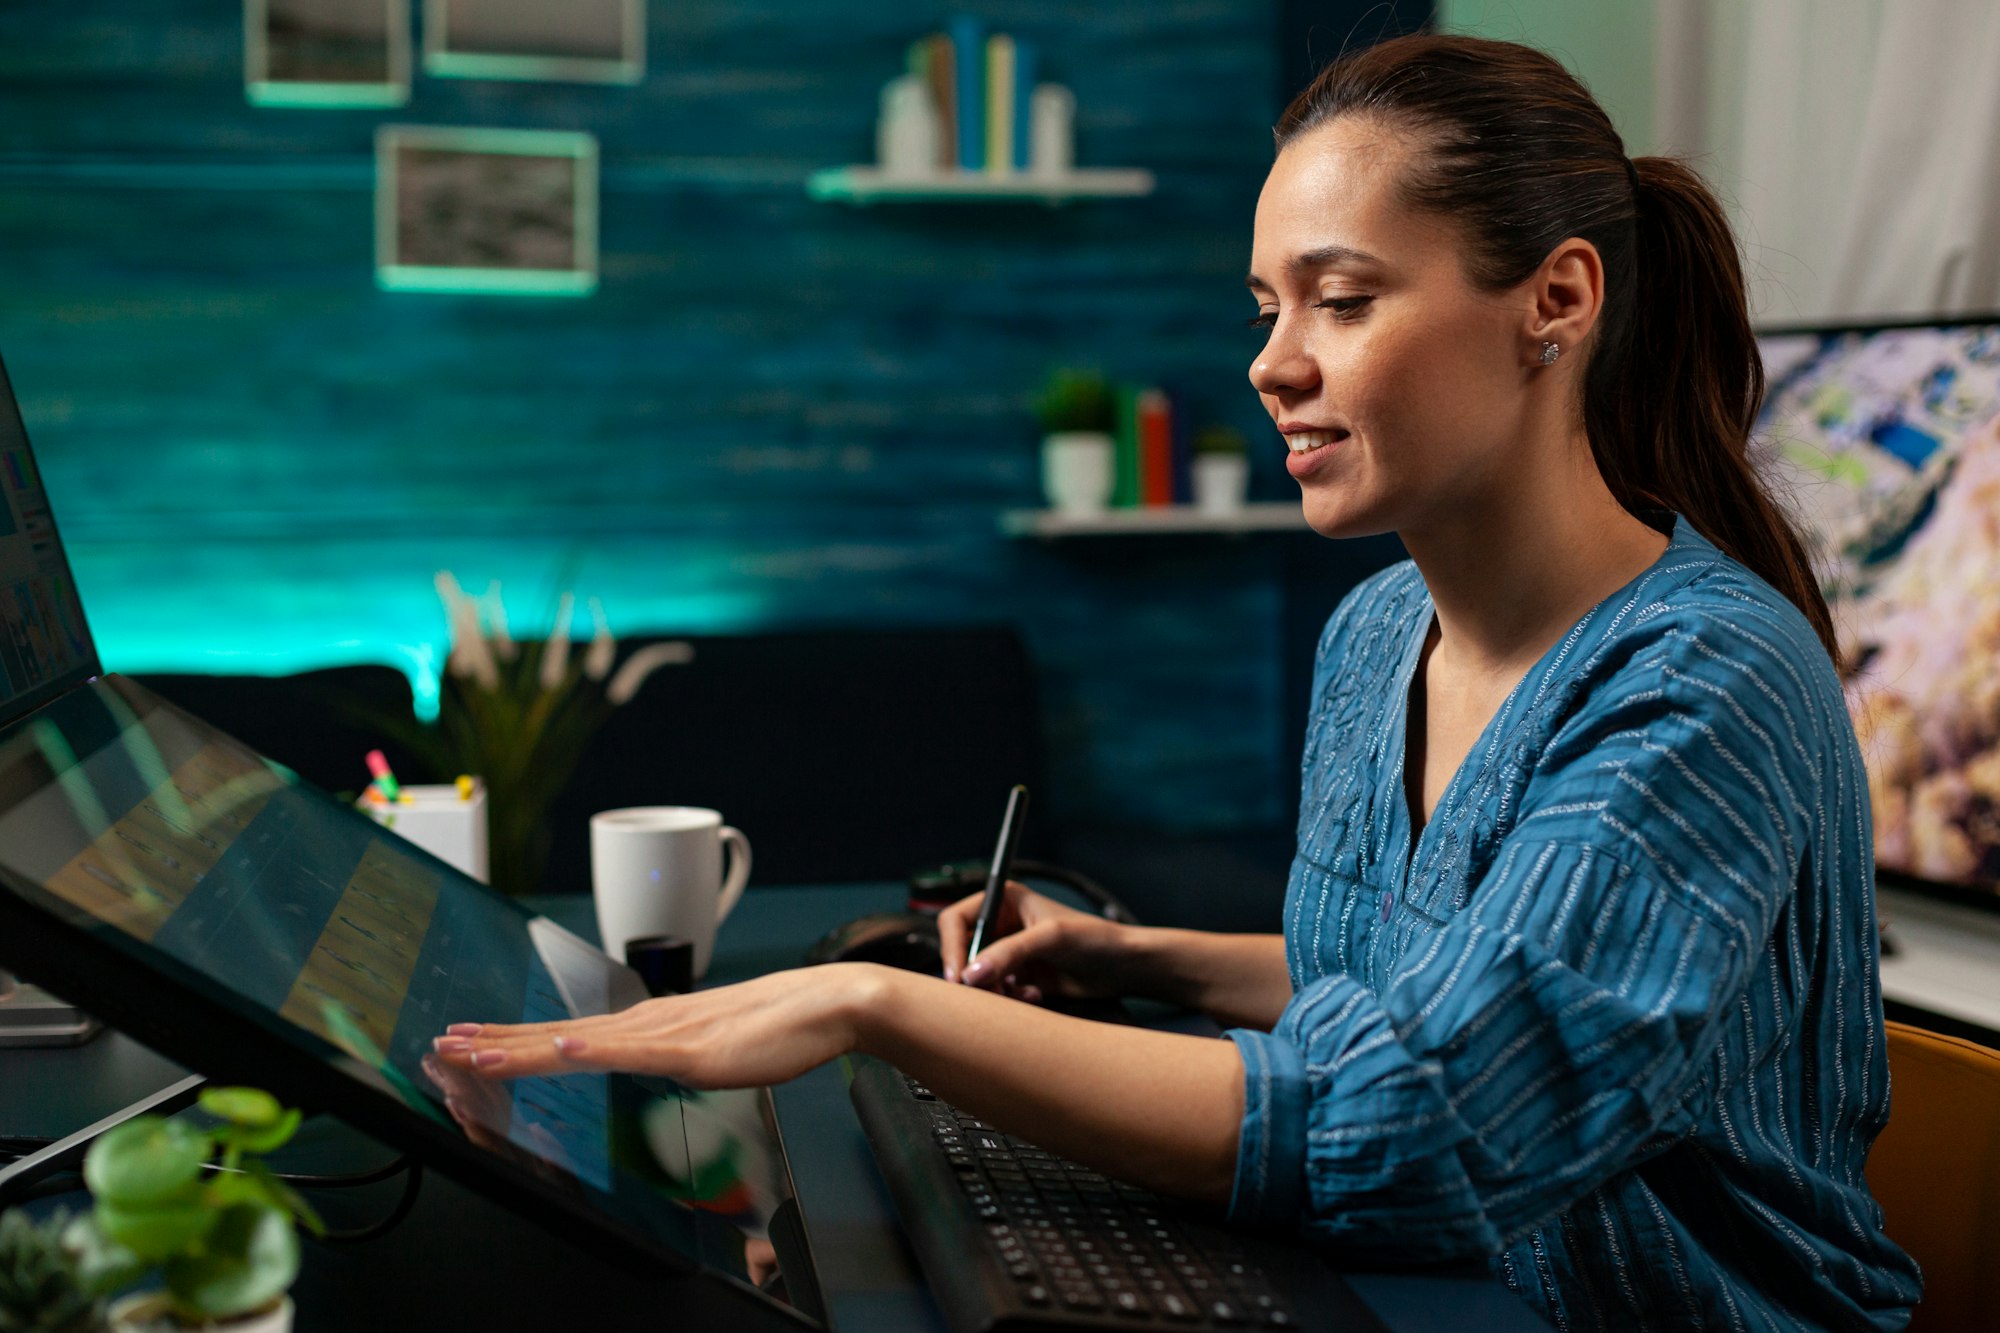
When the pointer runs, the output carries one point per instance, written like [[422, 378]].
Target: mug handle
[[739, 872]]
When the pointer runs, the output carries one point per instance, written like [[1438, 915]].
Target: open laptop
[[207, 902]]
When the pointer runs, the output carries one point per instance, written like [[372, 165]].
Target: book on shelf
[[932, 61], [968, 43], [1156, 448], [983, 86], [1125, 447], [1000, 103]]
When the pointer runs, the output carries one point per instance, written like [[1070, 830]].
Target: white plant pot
[[146, 1313], [1221, 482], [1078, 471]]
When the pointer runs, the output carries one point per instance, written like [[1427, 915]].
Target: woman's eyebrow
[[1326, 256]]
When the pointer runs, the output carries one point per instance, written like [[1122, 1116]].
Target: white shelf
[[1282, 516], [870, 185]]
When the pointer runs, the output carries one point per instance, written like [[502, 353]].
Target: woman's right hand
[[1039, 948]]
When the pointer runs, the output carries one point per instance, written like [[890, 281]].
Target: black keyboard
[[1011, 1236]]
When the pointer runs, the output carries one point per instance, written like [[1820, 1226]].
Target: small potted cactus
[[199, 1209], [41, 1289], [1221, 470]]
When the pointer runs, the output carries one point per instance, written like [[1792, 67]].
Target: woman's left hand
[[758, 1032]]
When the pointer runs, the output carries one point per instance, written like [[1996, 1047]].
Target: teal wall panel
[[772, 412]]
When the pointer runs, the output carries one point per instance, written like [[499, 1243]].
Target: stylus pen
[[1003, 864]]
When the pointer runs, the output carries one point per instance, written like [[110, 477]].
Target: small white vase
[[1221, 481], [1078, 471], [146, 1313]]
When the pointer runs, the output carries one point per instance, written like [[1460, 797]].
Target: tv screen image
[[1886, 443]]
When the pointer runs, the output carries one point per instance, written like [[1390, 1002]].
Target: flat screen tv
[[1885, 441]]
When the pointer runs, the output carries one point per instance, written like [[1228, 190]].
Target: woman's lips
[[1308, 450]]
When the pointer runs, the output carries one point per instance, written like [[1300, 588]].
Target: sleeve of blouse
[[1554, 1030]]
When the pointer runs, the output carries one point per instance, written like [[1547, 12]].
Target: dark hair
[[1520, 154]]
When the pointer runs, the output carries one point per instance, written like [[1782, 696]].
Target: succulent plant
[[1076, 399], [40, 1289]]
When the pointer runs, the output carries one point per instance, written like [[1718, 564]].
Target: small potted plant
[[199, 1209], [1077, 414], [1221, 470], [41, 1290]]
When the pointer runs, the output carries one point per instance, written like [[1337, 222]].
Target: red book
[[1156, 449]]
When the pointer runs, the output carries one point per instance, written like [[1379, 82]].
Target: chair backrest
[[1936, 1172]]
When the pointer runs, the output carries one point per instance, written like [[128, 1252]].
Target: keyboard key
[[1082, 1298], [1131, 1303], [1035, 1294], [1222, 1312], [1177, 1308]]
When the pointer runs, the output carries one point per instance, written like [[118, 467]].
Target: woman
[[1578, 964]]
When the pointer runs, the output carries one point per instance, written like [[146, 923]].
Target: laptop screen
[[45, 645], [211, 889]]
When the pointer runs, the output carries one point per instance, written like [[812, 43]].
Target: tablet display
[[45, 646], [203, 887]]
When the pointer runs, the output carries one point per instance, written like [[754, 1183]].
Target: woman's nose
[[1283, 366]]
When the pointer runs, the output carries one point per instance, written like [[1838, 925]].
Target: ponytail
[[1521, 155], [1669, 405]]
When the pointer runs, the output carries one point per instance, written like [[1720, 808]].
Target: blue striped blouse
[[1613, 1022]]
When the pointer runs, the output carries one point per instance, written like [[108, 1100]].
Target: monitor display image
[[1886, 444], [45, 646]]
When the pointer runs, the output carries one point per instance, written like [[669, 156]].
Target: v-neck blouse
[[1613, 1022]]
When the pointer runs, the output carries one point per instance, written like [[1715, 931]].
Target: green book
[[1125, 473]]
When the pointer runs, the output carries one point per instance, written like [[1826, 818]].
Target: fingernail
[[951, 974], [975, 971], [489, 1059], [568, 1045], [464, 1029], [1013, 980], [451, 1045]]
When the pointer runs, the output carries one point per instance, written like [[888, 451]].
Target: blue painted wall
[[772, 412]]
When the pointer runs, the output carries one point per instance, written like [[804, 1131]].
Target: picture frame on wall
[[575, 41], [486, 210], [326, 53]]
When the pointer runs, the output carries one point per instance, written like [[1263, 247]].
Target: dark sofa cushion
[[843, 755]]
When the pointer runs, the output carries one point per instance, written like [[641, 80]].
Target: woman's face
[[1397, 385]]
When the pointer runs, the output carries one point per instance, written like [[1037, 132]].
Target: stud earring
[[1550, 351]]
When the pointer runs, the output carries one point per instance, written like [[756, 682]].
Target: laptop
[[206, 901]]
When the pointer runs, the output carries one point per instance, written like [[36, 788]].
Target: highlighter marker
[[379, 766]]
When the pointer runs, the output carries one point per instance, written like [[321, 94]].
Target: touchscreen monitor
[[1886, 444], [208, 902]]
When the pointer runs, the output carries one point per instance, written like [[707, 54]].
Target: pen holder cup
[[449, 826]]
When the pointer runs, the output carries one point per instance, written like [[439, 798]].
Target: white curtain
[[1857, 143]]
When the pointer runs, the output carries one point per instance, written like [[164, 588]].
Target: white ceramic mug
[[657, 870]]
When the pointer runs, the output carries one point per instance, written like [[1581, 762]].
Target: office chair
[[1936, 1172]]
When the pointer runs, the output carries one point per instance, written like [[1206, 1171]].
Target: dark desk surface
[[868, 1275]]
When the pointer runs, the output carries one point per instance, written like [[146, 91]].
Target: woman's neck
[[1510, 574]]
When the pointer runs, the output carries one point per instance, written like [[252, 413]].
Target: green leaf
[[146, 1160], [249, 1260], [252, 1108], [102, 1264], [264, 1138], [156, 1232]]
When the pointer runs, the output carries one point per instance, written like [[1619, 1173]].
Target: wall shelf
[[871, 185], [1047, 524]]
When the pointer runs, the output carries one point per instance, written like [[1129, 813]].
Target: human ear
[[1567, 293]]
